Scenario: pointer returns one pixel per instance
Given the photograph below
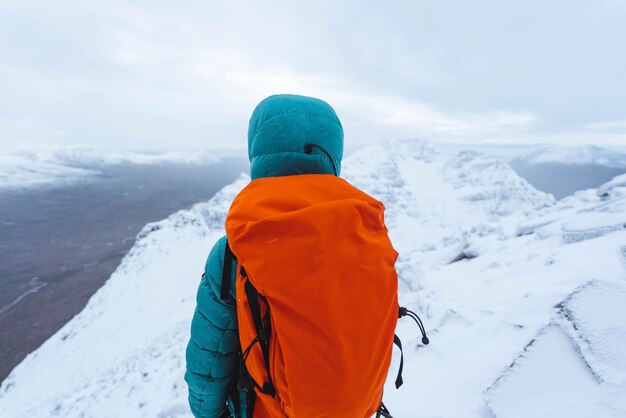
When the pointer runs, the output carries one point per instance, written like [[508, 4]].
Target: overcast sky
[[152, 75]]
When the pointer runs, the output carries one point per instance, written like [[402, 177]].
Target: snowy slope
[[62, 165], [580, 155], [576, 365], [123, 354], [484, 259]]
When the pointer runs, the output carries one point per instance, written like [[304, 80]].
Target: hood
[[291, 135]]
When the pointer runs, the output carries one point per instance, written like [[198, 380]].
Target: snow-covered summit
[[483, 259], [437, 203], [580, 155], [394, 169]]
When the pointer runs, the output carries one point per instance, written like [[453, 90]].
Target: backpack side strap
[[396, 341], [263, 329], [226, 273]]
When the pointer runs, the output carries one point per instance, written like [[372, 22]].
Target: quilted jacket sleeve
[[212, 352]]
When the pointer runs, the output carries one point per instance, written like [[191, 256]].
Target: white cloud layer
[[154, 75]]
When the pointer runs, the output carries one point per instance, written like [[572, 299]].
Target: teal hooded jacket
[[281, 131]]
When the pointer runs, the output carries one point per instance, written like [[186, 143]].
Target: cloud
[[608, 125], [147, 75], [20, 130]]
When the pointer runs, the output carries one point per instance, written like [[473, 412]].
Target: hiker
[[297, 306]]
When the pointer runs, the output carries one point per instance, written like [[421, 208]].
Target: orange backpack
[[316, 295]]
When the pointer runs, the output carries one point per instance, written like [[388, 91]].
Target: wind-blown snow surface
[[519, 315], [58, 166]]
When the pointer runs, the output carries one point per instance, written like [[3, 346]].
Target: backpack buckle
[[245, 384], [268, 389]]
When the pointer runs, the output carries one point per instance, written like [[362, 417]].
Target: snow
[[595, 318], [617, 185], [585, 215], [549, 380], [522, 322], [591, 225], [437, 202], [576, 365], [576, 155], [63, 165]]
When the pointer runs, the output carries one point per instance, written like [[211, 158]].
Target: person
[[278, 128]]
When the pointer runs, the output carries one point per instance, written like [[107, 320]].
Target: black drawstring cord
[[406, 312], [382, 410], [419, 322], [308, 148]]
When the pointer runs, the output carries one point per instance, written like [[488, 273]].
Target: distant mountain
[[62, 165], [520, 295], [81, 155], [564, 170], [570, 155], [19, 172]]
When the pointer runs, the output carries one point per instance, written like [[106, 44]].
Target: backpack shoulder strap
[[226, 273]]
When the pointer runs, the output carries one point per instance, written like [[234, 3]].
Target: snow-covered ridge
[[514, 311], [617, 185], [585, 215], [580, 155]]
